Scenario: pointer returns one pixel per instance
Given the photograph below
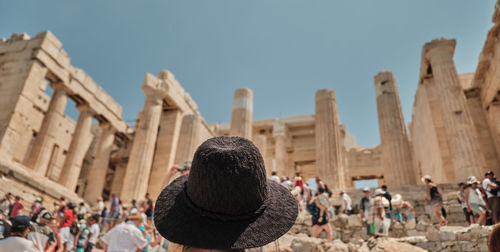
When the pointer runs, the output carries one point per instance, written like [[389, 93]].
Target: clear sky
[[284, 50]]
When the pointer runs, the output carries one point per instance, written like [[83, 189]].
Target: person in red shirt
[[18, 206], [69, 214], [299, 181]]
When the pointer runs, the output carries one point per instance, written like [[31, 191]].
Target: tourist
[[474, 201], [54, 225], [494, 239], [287, 183], [377, 214], [41, 233], [94, 232], [149, 207], [299, 181], [364, 209], [114, 210], [67, 219], [275, 177], [324, 203], [461, 200], [4, 226], [17, 240], [5, 204], [82, 211], [182, 170], [99, 206], [17, 207], [36, 208], [399, 205], [346, 205], [126, 236], [133, 207], [434, 197], [233, 171], [491, 189], [81, 236], [388, 197]]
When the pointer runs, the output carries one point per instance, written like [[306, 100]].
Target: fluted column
[[458, 124], [328, 146], [77, 149], [39, 156], [141, 156], [279, 134], [100, 165], [188, 139], [396, 155], [166, 147], [241, 117], [261, 142]]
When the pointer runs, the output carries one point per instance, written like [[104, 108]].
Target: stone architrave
[[77, 149], [143, 148], [241, 117], [188, 138], [166, 147], [100, 165], [461, 137], [41, 151], [261, 142], [328, 146], [279, 134], [396, 155]]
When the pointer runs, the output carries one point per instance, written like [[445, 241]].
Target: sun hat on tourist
[[379, 192], [46, 215], [135, 216], [397, 200], [426, 177], [472, 180], [366, 189], [226, 202]]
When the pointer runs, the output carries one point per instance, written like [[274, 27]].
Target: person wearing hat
[[94, 230], [126, 236], [17, 240], [474, 200], [364, 209], [36, 208], [377, 214], [226, 203], [40, 232], [491, 189], [435, 198], [183, 169]]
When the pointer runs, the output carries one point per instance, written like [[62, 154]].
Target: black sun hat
[[226, 202]]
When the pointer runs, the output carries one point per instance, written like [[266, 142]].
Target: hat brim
[[177, 222]]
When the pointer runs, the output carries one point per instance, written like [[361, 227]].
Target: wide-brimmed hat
[[135, 216], [379, 192], [397, 200], [472, 180], [426, 177], [225, 202]]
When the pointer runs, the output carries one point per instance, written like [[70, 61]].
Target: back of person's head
[[20, 224], [384, 187], [273, 173], [494, 240], [18, 197]]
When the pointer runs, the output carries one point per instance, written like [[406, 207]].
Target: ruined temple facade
[[454, 130]]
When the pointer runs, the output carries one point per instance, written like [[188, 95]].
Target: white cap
[[366, 189], [379, 191]]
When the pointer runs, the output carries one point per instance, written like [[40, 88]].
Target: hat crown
[[227, 177]]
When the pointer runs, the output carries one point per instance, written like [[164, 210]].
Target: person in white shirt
[[491, 190], [17, 240], [275, 177], [346, 203], [94, 232], [126, 237], [287, 183]]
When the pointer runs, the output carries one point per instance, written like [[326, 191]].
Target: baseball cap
[[489, 173], [379, 191], [366, 189], [46, 215], [20, 222]]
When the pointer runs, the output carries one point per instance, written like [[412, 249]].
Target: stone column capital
[[440, 46], [155, 89], [106, 126], [83, 107], [326, 94]]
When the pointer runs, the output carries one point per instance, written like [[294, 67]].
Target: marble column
[[279, 134], [241, 118], [188, 139], [143, 148], [41, 151], [396, 155], [77, 149], [100, 164], [328, 145], [118, 177], [261, 142], [462, 140], [166, 147]]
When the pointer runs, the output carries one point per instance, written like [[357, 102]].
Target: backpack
[[75, 227], [313, 209]]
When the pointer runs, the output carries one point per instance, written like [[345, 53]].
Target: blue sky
[[284, 50]]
